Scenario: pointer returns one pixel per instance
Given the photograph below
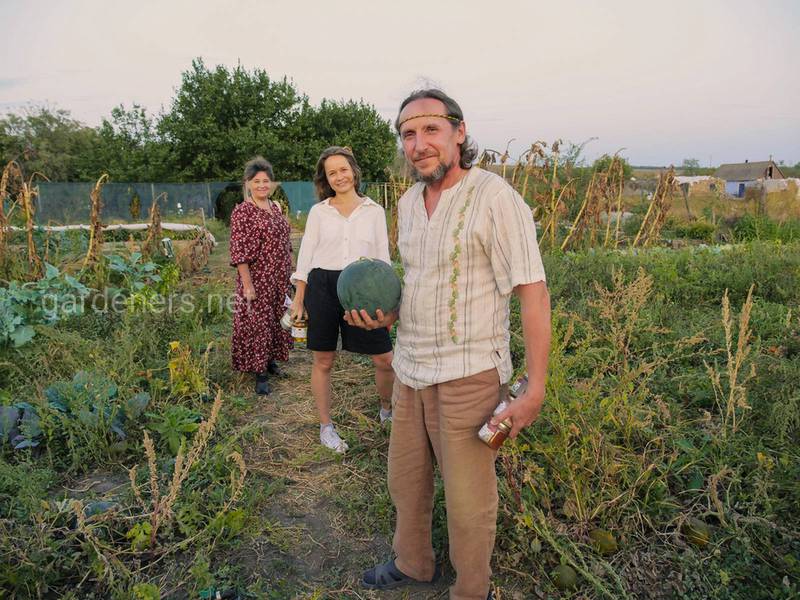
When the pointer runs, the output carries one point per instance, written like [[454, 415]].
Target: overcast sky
[[715, 80]]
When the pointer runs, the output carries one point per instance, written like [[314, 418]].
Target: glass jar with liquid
[[494, 438], [300, 332]]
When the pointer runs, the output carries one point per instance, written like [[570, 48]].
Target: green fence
[[69, 203]]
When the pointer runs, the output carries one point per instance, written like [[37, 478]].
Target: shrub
[[696, 230]]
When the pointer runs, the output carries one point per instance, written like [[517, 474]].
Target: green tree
[[129, 148], [218, 119], [690, 166], [221, 118], [353, 124], [790, 171], [47, 141]]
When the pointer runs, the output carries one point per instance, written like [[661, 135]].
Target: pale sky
[[716, 80]]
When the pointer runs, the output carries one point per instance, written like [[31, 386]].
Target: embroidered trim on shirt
[[454, 259]]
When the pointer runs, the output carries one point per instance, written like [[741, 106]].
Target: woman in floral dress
[[261, 253]]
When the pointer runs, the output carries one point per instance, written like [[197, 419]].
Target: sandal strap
[[388, 573]]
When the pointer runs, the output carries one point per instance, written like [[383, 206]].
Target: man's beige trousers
[[443, 421]]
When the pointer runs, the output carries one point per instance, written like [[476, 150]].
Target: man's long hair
[[468, 149]]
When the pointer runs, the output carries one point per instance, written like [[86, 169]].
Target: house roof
[[749, 171]]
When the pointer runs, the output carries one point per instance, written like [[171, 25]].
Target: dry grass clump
[[656, 213], [25, 194], [11, 173], [733, 402], [548, 181], [387, 194], [537, 178], [151, 245], [195, 255], [160, 506], [603, 196]]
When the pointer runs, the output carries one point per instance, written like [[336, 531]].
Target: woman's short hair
[[256, 166], [253, 167], [324, 190], [469, 149]]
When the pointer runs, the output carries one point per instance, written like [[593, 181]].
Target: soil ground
[[311, 546]]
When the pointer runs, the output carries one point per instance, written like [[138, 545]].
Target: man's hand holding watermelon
[[363, 320]]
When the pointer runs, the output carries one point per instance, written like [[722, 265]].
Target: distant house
[[691, 185], [740, 176]]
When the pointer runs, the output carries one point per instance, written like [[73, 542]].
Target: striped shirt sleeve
[[512, 245]]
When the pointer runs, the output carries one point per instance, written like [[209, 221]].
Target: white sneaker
[[329, 438], [385, 416]]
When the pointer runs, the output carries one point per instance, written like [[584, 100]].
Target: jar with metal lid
[[495, 438], [300, 332]]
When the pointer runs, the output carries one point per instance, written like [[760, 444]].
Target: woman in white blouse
[[341, 228]]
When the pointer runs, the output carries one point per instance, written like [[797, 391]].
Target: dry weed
[[733, 402], [151, 245], [11, 173], [657, 211], [95, 225], [161, 505]]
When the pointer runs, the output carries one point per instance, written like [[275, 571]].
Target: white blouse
[[332, 241]]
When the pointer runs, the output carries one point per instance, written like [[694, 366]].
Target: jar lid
[[504, 426]]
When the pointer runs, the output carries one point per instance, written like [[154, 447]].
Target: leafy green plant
[[146, 591], [50, 299], [696, 230], [139, 535], [170, 276], [749, 228], [75, 420], [174, 425], [132, 274], [144, 300]]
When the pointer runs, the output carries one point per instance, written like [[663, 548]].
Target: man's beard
[[435, 176]]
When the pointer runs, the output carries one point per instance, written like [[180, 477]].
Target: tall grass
[[665, 407]]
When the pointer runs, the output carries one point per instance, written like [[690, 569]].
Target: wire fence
[[69, 203]]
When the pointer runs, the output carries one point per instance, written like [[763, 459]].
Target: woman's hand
[[297, 310], [249, 293]]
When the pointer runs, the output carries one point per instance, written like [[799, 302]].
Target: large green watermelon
[[369, 283]]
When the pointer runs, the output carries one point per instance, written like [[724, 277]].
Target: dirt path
[[309, 537], [315, 542]]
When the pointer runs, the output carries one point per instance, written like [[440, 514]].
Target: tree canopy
[[47, 141], [218, 119], [690, 166]]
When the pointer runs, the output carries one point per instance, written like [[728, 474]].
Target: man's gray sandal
[[387, 577]]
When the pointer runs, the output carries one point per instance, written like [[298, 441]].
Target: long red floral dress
[[260, 238]]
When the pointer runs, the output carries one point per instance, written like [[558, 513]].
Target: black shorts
[[326, 320]]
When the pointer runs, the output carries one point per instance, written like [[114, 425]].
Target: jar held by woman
[[261, 253]]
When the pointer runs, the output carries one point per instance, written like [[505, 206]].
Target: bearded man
[[467, 242]]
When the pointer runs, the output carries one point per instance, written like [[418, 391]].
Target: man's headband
[[448, 117]]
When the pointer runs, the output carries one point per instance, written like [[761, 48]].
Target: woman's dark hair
[[253, 167], [324, 190], [468, 149]]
